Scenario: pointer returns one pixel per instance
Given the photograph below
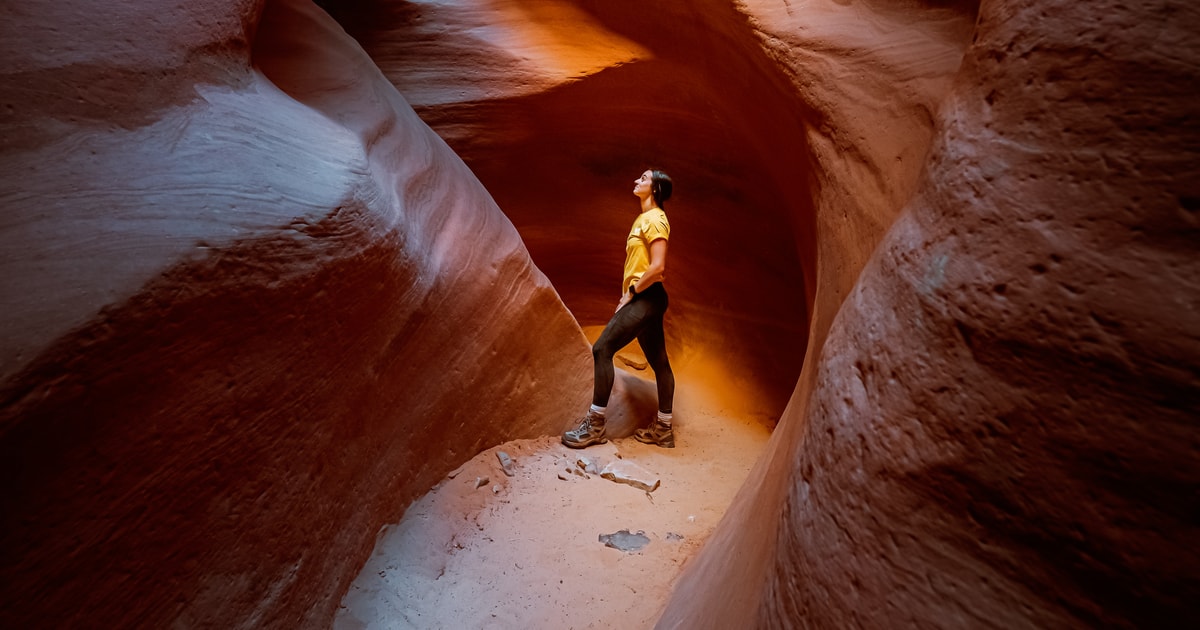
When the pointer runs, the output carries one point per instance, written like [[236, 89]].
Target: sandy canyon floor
[[524, 551]]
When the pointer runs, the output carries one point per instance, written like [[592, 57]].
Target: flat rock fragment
[[629, 473], [624, 540]]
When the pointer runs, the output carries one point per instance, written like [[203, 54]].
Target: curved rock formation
[[252, 307], [686, 87], [237, 272], [1000, 430], [807, 123]]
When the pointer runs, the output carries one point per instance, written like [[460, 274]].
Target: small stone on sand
[[625, 541], [505, 462]]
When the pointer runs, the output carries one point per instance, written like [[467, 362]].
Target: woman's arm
[[658, 266], [654, 273]]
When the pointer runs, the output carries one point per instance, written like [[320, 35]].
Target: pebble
[[587, 465], [506, 462]]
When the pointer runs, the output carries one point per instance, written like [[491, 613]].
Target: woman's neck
[[648, 204]]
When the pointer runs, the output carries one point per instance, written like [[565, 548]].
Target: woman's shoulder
[[655, 222]]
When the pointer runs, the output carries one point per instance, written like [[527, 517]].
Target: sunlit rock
[[252, 305], [685, 87]]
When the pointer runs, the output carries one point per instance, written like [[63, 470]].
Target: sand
[[524, 551]]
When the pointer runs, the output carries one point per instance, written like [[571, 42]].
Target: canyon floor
[[525, 551]]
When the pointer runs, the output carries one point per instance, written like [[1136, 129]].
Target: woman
[[639, 315]]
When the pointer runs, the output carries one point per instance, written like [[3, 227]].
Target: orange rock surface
[[1000, 427], [253, 305], [960, 448], [686, 88]]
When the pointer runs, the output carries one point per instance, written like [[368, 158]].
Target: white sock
[[664, 418], [598, 410]]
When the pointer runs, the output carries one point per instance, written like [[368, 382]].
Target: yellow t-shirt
[[650, 226]]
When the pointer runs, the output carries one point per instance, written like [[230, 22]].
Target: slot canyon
[[271, 270]]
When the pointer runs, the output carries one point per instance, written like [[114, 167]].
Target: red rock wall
[[559, 105], [252, 307], [235, 299], [999, 430]]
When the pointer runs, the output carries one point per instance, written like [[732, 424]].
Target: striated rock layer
[[252, 306], [999, 429], [578, 98]]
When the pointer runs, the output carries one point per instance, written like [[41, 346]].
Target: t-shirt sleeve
[[656, 228]]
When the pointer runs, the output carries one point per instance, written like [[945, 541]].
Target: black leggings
[[641, 318]]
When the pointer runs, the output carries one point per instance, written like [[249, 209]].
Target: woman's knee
[[602, 352], [656, 356]]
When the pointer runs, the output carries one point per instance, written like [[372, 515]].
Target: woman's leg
[[620, 331], [654, 345]]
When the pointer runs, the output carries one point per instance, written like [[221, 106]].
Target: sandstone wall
[[237, 272], [999, 429], [559, 105], [252, 306]]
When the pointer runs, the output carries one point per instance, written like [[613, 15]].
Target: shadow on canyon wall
[[949, 247]]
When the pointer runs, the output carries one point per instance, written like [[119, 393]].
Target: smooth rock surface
[[871, 78], [252, 306], [1000, 430], [682, 86]]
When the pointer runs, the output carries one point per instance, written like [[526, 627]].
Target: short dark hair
[[660, 186]]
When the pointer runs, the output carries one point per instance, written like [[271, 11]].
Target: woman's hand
[[625, 299]]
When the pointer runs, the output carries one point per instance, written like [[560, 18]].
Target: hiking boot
[[590, 431], [657, 433]]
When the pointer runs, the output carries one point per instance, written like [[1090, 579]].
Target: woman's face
[[641, 186]]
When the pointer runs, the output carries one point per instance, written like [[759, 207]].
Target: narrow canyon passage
[[576, 101], [272, 270], [699, 100]]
